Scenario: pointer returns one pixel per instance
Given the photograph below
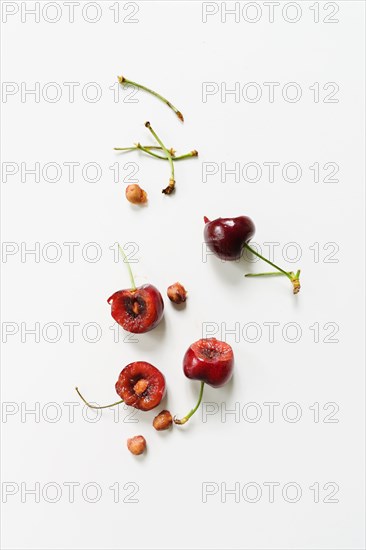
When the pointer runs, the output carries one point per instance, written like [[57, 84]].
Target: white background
[[173, 51]]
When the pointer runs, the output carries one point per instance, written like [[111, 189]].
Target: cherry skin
[[141, 385], [137, 310], [226, 237], [210, 361]]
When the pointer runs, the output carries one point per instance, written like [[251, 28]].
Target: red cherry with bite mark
[[137, 309], [210, 361], [140, 385], [227, 237]]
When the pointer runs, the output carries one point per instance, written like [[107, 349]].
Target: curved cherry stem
[[171, 185], [95, 406], [294, 277], [122, 80], [191, 413], [125, 261]]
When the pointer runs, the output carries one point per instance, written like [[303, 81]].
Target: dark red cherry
[[227, 236], [141, 385], [137, 310], [210, 361]]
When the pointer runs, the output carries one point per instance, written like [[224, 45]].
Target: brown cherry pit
[[136, 445], [163, 421], [135, 195], [177, 293]]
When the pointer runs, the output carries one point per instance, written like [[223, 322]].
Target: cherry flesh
[[137, 310], [226, 237], [141, 385]]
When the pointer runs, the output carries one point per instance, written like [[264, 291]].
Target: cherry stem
[[125, 260], [123, 81], [171, 185], [268, 274], [137, 147], [191, 413], [193, 153], [147, 149], [294, 278], [95, 406]]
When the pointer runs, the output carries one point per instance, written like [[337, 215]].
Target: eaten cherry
[[137, 309], [140, 385], [210, 361], [227, 237]]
